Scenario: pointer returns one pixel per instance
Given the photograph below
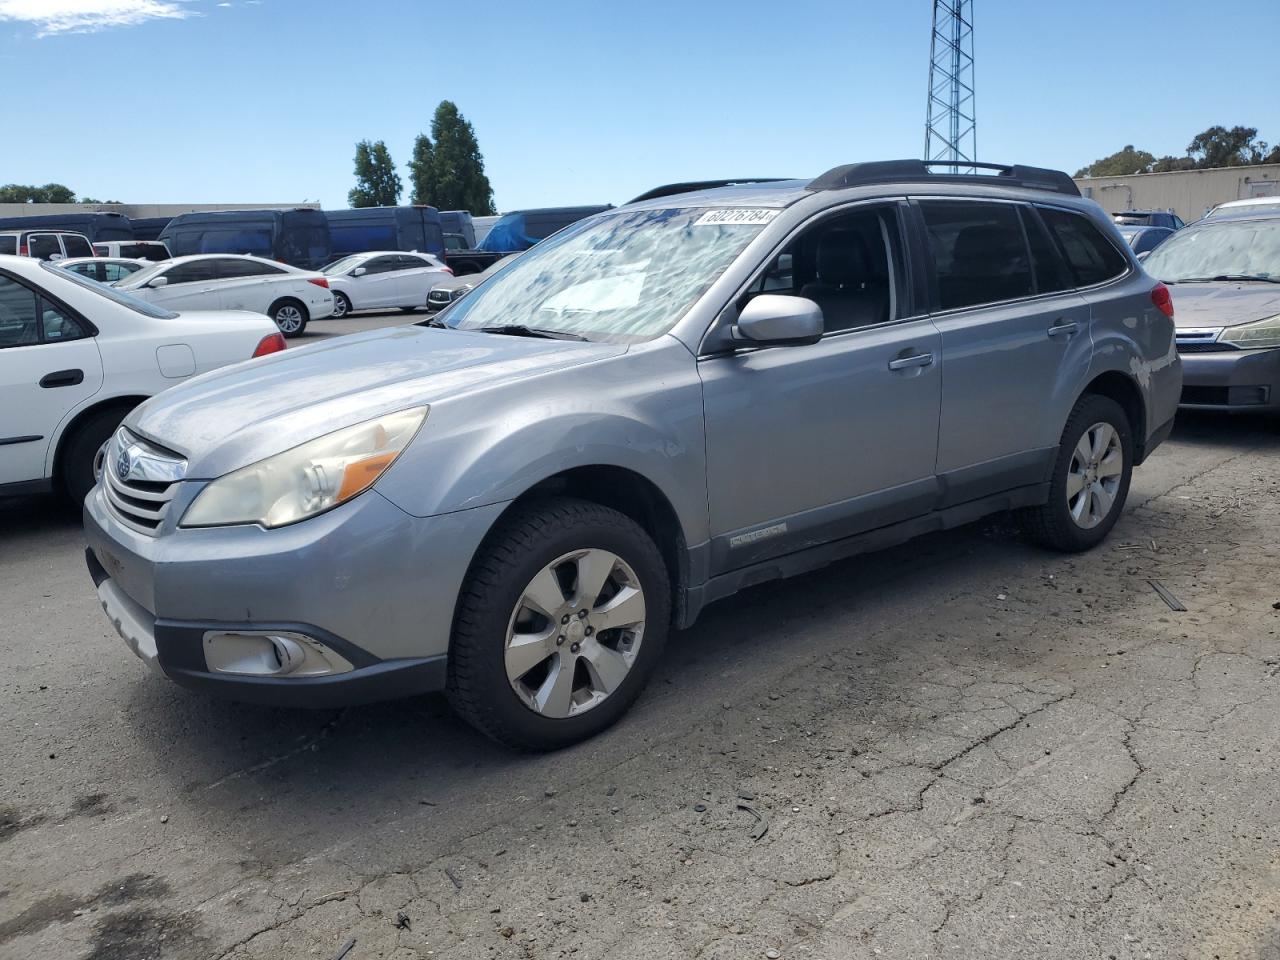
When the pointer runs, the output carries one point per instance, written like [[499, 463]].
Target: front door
[[48, 367], [191, 285], [807, 444]]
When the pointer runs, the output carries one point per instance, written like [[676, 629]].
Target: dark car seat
[[988, 264], [852, 288]]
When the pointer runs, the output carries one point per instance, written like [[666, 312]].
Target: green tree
[[49, 193], [1220, 147], [1170, 164], [422, 171], [377, 183], [449, 172], [1119, 164]]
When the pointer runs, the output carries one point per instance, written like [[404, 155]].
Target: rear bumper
[[1232, 380]]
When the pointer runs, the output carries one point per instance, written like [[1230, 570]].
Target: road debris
[[1173, 602], [762, 822], [346, 948], [699, 808], [402, 921], [453, 876]]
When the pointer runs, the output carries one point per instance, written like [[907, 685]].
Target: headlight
[[1261, 333], [309, 479]]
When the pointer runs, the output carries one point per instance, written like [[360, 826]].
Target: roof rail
[[898, 171], [671, 189]]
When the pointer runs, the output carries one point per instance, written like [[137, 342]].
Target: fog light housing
[[1247, 396], [271, 653]]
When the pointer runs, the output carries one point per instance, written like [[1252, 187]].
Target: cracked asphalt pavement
[[962, 747]]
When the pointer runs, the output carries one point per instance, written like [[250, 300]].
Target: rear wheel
[[1090, 478], [560, 624], [290, 316], [81, 454], [341, 306]]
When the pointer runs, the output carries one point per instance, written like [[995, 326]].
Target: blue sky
[[593, 102]]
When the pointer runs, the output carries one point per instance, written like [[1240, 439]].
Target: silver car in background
[[1225, 278], [517, 500]]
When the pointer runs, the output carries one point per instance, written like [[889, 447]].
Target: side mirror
[[774, 319], [1143, 255], [359, 272], [158, 282]]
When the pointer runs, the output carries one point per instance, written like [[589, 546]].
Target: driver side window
[[850, 265]]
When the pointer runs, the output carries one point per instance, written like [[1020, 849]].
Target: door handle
[[62, 378], [1063, 328], [906, 363], [209, 290]]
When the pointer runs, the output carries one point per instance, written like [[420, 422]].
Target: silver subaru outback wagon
[[516, 501]]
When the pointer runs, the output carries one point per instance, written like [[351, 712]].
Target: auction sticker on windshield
[[737, 216]]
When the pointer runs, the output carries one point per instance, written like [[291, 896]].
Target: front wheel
[[560, 623], [1090, 478], [290, 316]]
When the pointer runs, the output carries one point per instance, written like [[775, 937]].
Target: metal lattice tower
[[951, 130]]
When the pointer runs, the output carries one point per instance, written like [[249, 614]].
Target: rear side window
[[9, 245], [979, 254], [18, 323], [1092, 257], [1051, 270], [244, 268], [76, 246]]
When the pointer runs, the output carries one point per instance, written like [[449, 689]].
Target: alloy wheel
[[289, 319], [575, 632], [1093, 479]]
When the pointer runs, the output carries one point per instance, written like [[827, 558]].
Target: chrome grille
[[439, 296], [1199, 340], [139, 480]]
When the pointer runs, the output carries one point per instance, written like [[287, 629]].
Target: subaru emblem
[[124, 463]]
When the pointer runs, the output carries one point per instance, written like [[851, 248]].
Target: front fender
[[639, 411]]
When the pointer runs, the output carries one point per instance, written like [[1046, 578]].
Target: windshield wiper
[[434, 322], [520, 330], [1226, 277]]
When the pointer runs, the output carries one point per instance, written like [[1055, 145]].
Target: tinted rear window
[[1052, 272], [1092, 257], [76, 246], [979, 254], [42, 246], [8, 245]]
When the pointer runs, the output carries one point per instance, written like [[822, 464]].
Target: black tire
[[282, 307], [520, 546], [1052, 524], [80, 450], [341, 306]]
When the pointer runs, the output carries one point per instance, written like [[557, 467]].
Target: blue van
[[95, 226], [149, 228], [297, 237], [521, 229], [385, 228], [459, 222]]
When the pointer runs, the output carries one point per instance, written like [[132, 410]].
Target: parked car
[[76, 356], [152, 250], [94, 226], [362, 229], [102, 269], [1148, 218], [516, 231], [517, 508], [298, 237], [450, 289], [1225, 276], [289, 296], [383, 278], [1247, 205], [1142, 240], [44, 244]]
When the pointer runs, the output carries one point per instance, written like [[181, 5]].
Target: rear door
[[415, 278], [49, 366], [1015, 338], [380, 283], [246, 284]]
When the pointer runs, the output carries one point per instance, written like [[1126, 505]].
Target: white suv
[[224, 281], [44, 244]]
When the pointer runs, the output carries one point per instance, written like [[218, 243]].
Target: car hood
[[1224, 304], [225, 419]]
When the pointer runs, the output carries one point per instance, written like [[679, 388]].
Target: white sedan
[[224, 281], [383, 278], [77, 355]]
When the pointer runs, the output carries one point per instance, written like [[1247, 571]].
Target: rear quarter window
[[1092, 257]]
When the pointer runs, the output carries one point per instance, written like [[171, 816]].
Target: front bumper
[[1232, 380], [365, 580]]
